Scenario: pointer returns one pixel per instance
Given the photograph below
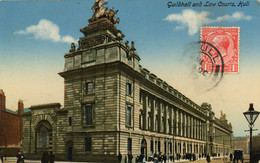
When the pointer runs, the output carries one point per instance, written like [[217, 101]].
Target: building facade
[[113, 106], [11, 124], [243, 143]]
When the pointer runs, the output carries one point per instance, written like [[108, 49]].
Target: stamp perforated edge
[[238, 43]]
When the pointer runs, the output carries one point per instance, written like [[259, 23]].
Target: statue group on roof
[[101, 12]]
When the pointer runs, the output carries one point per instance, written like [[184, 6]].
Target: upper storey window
[[129, 89], [89, 88]]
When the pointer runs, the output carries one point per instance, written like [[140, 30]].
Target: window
[[155, 146], [128, 115], [43, 138], [159, 146], [88, 145], [149, 121], [165, 146], [156, 125], [140, 98], [170, 147], [151, 146], [89, 112], [129, 145], [129, 89], [140, 121], [70, 121], [89, 88]]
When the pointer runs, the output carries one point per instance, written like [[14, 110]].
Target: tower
[[95, 75]]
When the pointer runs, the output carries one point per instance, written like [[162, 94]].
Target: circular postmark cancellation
[[205, 76], [215, 55], [215, 69]]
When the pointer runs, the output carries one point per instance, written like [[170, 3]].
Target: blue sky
[[35, 35]]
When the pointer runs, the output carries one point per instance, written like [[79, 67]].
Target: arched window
[[43, 138]]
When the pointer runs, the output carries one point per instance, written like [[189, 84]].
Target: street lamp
[[251, 115]]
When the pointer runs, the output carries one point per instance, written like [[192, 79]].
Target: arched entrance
[[144, 147], [69, 149], [43, 136]]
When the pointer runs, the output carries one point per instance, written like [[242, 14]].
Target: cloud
[[46, 30], [236, 16], [193, 20]]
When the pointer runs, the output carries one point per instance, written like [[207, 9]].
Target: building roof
[[10, 111], [25, 110]]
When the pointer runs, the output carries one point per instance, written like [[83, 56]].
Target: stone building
[[114, 106], [244, 144], [11, 124]]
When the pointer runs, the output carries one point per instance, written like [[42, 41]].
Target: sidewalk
[[213, 160]]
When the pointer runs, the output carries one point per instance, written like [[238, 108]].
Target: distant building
[[244, 144], [10, 126], [113, 106]]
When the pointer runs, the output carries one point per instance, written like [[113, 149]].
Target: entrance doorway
[[144, 148], [69, 149]]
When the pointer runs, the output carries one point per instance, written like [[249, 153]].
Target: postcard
[[181, 54]]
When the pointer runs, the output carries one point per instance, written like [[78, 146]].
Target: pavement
[[213, 160]]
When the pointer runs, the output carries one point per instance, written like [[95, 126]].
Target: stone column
[[177, 121], [171, 120], [160, 117], [194, 128], [153, 114], [180, 120], [145, 118], [188, 126], [166, 119], [184, 124], [191, 126], [200, 130], [174, 121]]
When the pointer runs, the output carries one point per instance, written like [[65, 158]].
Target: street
[[213, 160]]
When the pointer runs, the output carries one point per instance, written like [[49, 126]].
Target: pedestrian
[[230, 156], [52, 157], [1, 155], [20, 156], [155, 158], [164, 158], [119, 157], [130, 157], [43, 157], [193, 157], [47, 159], [208, 158]]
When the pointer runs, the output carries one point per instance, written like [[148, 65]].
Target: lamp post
[[251, 115]]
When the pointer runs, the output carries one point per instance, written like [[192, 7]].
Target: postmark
[[226, 41], [204, 79]]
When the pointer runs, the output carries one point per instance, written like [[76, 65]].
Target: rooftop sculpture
[[101, 12]]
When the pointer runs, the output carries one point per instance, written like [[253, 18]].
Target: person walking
[[1, 155], [119, 157], [208, 158], [47, 157], [20, 156], [43, 157], [52, 157], [130, 157]]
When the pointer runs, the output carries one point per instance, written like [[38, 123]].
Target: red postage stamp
[[225, 53]]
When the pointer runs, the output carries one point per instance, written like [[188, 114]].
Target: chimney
[[20, 114], [20, 107], [2, 100]]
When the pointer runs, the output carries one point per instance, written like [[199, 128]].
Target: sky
[[35, 35]]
